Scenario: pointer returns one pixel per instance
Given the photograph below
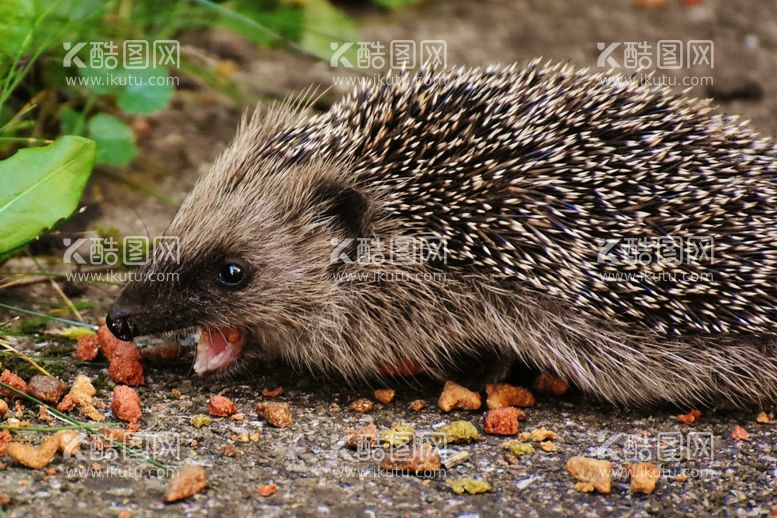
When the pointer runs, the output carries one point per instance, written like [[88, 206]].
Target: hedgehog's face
[[254, 272]]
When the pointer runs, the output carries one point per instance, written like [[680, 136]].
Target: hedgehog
[[467, 221]]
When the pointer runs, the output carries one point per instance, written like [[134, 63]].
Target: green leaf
[[115, 140], [72, 333], [148, 91], [40, 186]]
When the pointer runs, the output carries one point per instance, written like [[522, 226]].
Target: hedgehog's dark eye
[[232, 275]]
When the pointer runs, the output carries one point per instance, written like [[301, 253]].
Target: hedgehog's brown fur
[[522, 171]]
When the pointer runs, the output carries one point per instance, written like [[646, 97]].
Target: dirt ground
[[314, 474]]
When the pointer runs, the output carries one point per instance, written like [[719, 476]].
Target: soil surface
[[314, 473]]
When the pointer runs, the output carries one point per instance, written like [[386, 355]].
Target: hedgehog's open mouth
[[218, 348]]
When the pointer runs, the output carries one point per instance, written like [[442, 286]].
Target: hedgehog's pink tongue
[[218, 347]]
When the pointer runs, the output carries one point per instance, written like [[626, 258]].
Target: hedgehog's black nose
[[120, 324]]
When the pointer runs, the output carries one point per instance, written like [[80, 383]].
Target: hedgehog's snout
[[119, 322]]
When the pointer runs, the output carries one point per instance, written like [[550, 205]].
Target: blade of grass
[[28, 141], [229, 13], [46, 429], [8, 347], [44, 315]]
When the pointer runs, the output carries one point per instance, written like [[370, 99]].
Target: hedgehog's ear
[[346, 205]]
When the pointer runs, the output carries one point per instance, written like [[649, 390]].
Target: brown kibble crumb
[[681, 478], [126, 404], [276, 414], [46, 388], [689, 418], [763, 417], [106, 341], [188, 481], [126, 370], [82, 393], [503, 421], [35, 457], [550, 384], [267, 490], [592, 474], [123, 358], [220, 406], [417, 405], [385, 396], [644, 477], [548, 446], [740, 434], [541, 434], [5, 440], [69, 442], [417, 461], [125, 514], [501, 395], [363, 406], [229, 450], [367, 435], [3, 408], [43, 414], [456, 397], [9, 378], [67, 404], [86, 348], [277, 391]]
